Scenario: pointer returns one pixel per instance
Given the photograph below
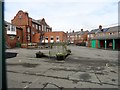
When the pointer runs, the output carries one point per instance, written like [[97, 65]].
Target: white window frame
[[33, 25], [28, 37], [28, 29], [36, 26], [39, 27]]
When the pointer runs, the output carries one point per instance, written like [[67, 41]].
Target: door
[[93, 43]]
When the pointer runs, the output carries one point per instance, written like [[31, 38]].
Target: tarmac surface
[[84, 68]]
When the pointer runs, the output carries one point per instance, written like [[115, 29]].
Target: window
[[33, 25], [28, 38], [46, 38], [13, 28], [111, 33], [20, 16], [88, 36], [51, 38], [57, 37], [18, 37], [12, 37], [36, 26], [8, 28], [39, 27], [28, 29]]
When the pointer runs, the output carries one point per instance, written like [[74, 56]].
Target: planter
[[68, 52], [39, 54], [60, 56]]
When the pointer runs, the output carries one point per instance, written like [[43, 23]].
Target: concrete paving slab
[[17, 80], [84, 76], [17, 69], [52, 83], [111, 78], [93, 85], [58, 74]]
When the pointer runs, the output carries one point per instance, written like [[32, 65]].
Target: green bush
[[60, 56], [68, 51], [39, 54]]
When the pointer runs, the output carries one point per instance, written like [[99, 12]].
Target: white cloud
[[62, 1], [67, 14]]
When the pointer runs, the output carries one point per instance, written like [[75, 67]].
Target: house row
[[79, 37], [106, 38], [25, 31]]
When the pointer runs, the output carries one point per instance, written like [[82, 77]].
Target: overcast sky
[[63, 15]]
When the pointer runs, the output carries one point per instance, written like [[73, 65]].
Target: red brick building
[[55, 36], [33, 30]]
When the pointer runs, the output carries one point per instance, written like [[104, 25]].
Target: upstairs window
[[36, 26], [8, 27], [33, 25], [28, 29], [20, 16], [39, 27], [13, 28], [51, 38]]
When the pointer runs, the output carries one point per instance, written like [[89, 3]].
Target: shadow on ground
[[10, 54]]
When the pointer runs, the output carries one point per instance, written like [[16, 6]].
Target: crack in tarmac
[[38, 74]]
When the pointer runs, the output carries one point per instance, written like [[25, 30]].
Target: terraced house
[[106, 38], [78, 38]]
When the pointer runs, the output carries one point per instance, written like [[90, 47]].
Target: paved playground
[[84, 68]]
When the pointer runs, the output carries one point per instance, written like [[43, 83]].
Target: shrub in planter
[[60, 56], [39, 54], [68, 51]]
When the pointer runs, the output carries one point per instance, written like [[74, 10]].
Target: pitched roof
[[114, 36], [36, 21], [114, 29], [77, 33], [93, 31], [103, 30]]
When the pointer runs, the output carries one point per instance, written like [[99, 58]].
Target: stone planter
[[68, 52], [60, 56], [39, 54]]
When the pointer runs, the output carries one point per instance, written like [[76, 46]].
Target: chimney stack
[[100, 27], [26, 13], [81, 30], [73, 31]]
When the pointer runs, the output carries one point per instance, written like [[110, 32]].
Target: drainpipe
[[113, 44]]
